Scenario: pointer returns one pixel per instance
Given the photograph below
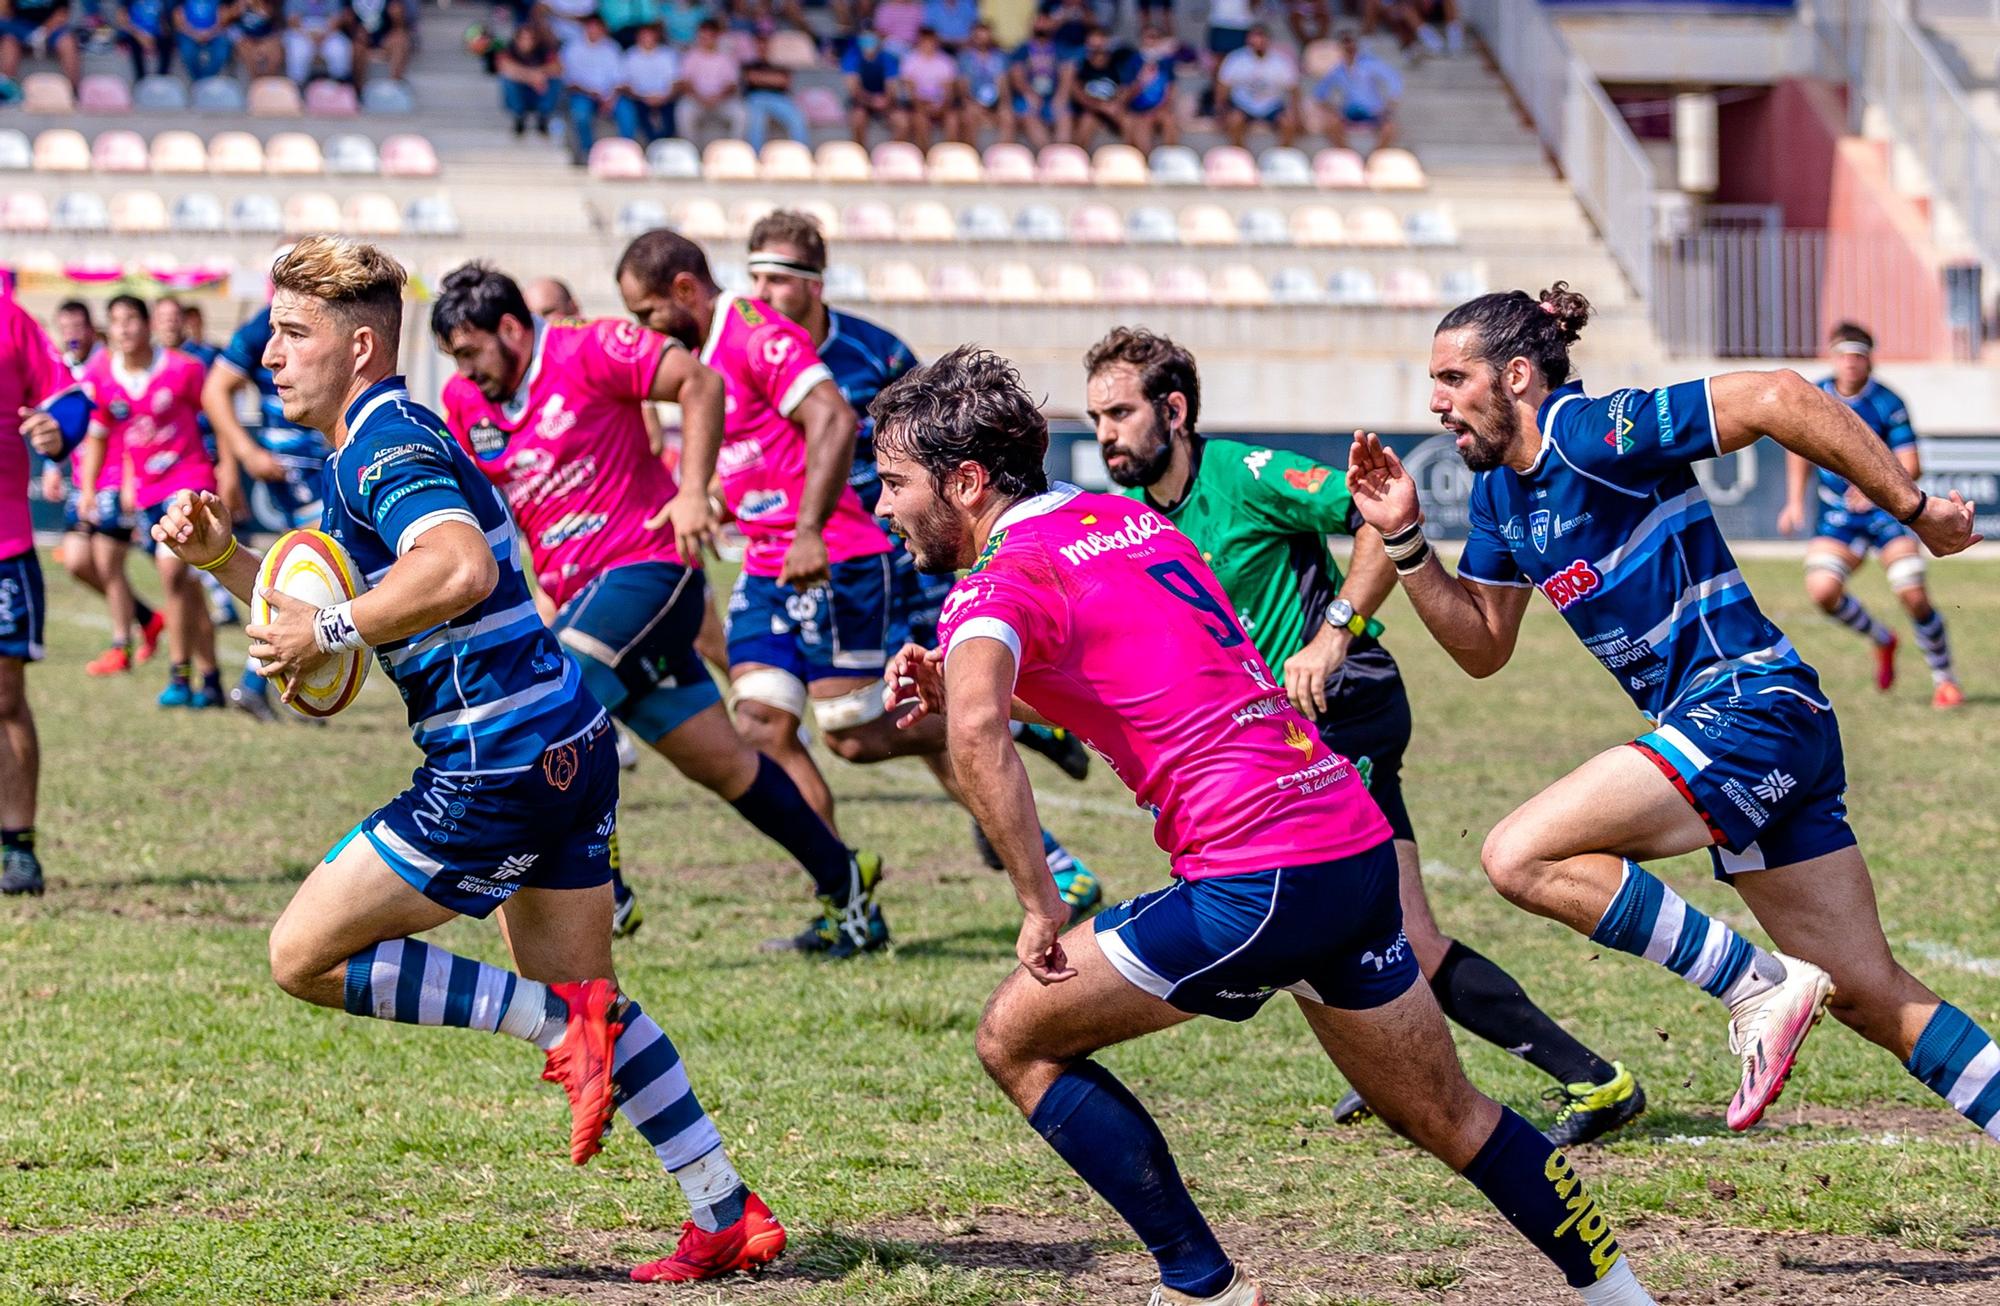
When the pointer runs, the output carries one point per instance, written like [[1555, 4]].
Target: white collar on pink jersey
[[1058, 494], [723, 303], [517, 403], [134, 383]]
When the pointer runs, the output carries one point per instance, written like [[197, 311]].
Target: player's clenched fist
[[1945, 525], [196, 527], [1383, 491]]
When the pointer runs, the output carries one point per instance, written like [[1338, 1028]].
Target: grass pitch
[[174, 1129]]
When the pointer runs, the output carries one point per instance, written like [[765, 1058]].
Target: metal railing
[[1579, 126]]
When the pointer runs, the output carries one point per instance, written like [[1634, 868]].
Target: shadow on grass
[[994, 945], [1906, 1270]]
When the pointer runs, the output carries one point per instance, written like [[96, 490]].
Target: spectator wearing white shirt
[[1258, 84], [1229, 25], [593, 70], [1362, 90], [711, 85], [652, 74], [565, 18]]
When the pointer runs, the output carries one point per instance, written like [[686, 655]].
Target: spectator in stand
[[1036, 70], [565, 19], [1229, 24], [313, 33], [874, 88], [37, 27], [530, 77], [593, 67], [201, 35], [148, 25], [767, 99], [754, 16], [711, 85], [1073, 20], [683, 20], [1433, 24], [985, 90], [1151, 115], [651, 75], [97, 23], [952, 20], [1362, 90], [1311, 20], [1258, 84], [486, 38], [897, 22], [932, 78], [260, 45], [626, 17], [1094, 89], [381, 30]]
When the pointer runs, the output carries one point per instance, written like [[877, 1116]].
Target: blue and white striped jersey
[[490, 691], [1611, 525], [1883, 410], [864, 358]]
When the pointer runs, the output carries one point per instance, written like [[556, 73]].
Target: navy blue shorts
[[113, 522], [1331, 932], [469, 842], [23, 610], [1765, 771], [632, 631], [919, 596], [1860, 531], [848, 628]]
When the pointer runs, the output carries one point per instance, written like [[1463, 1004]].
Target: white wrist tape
[[334, 630]]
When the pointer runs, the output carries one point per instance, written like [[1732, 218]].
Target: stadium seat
[[1263, 227], [1241, 286], [954, 163], [637, 216], [1315, 226], [1175, 165], [104, 93], [1013, 283], [1432, 227], [217, 95], [16, 154], [984, 222], [1376, 228], [898, 163], [674, 159], [1063, 165], [1353, 288], [613, 158], [311, 212], [1460, 284], [274, 97], [372, 214], [235, 154], [138, 212], [897, 282], [956, 283], [80, 210], [119, 151], [794, 50], [47, 93], [843, 162], [1120, 165], [256, 215], [1126, 284], [293, 154], [729, 160], [1071, 283], [869, 220], [431, 215], [1150, 226], [745, 215], [178, 153], [388, 97], [24, 210], [784, 160], [927, 222], [1040, 224], [62, 149], [821, 105], [352, 155], [1339, 169], [331, 99], [822, 212], [1409, 288], [1281, 165], [1096, 224], [196, 211], [845, 283], [1228, 167], [701, 219], [1395, 170], [1181, 284], [1317, 60], [160, 93], [1296, 285], [1208, 224], [1009, 164]]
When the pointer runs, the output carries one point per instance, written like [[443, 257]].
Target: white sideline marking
[[1945, 954]]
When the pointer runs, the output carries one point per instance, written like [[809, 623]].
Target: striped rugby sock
[[1935, 645], [1647, 919], [419, 983], [1858, 619], [653, 1094], [1957, 1060]]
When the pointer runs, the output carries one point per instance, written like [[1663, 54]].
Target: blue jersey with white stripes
[[489, 691], [1883, 410], [864, 358], [1611, 525]]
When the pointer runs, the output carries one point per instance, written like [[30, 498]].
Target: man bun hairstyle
[[1513, 324], [967, 407], [357, 281], [1164, 368], [477, 295]]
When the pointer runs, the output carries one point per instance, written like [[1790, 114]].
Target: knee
[[997, 1053], [862, 744], [293, 963], [765, 728], [1825, 588], [1511, 864]]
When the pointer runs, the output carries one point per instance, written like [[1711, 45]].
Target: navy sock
[[21, 838], [1485, 999], [774, 805], [1096, 1125], [141, 613], [1534, 1186]]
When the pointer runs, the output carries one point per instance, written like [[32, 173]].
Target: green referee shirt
[[1260, 518]]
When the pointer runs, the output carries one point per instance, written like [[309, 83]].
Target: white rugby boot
[[1767, 1031], [1240, 1292]]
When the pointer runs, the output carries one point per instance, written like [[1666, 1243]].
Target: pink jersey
[[570, 450], [1120, 633], [153, 424], [31, 370], [768, 366]]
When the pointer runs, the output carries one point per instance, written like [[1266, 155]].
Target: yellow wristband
[[227, 554]]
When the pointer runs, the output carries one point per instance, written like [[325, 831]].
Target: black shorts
[[1367, 721]]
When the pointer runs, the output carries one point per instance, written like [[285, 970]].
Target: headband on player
[[765, 260], [1852, 347]]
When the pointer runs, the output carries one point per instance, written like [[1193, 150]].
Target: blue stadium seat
[[1264, 227], [636, 216], [1175, 165], [16, 154], [387, 97], [1353, 288], [1040, 223], [256, 215], [196, 211], [984, 222], [217, 95], [1151, 226], [431, 215], [1296, 285], [160, 93]]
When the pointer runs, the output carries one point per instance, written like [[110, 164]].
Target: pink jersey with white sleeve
[[152, 421], [1120, 633], [768, 366], [31, 371], [570, 450]]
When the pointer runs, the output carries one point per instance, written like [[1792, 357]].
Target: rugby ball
[[311, 566]]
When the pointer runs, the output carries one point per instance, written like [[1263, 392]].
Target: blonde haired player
[[516, 801]]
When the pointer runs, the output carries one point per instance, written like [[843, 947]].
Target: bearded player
[[1594, 502], [1284, 870], [517, 798]]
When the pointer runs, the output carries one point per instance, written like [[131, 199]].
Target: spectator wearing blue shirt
[[1036, 69], [593, 70], [985, 91], [1362, 90], [874, 88], [952, 20], [135, 27], [1151, 115], [201, 35]]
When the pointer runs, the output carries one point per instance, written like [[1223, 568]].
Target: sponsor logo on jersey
[[1538, 529], [1572, 584], [487, 438], [515, 865], [1663, 414], [441, 806], [560, 765], [1389, 956], [1136, 531], [739, 455], [1733, 789], [765, 503], [1300, 478], [371, 473], [1619, 437], [749, 312], [556, 421], [779, 349], [572, 526], [1585, 1218], [1773, 787], [1709, 718], [1511, 531], [1316, 777], [1564, 525], [1296, 737], [162, 401], [1616, 649], [1259, 709], [1256, 461]]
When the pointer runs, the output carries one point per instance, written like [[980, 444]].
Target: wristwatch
[[1341, 613]]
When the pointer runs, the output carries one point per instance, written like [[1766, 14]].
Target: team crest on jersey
[[1620, 436], [1308, 481], [559, 766], [487, 438], [121, 408], [623, 342], [1538, 529], [778, 350], [162, 401], [1296, 737]]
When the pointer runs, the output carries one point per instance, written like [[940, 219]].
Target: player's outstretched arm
[[698, 389], [827, 421], [197, 528], [1819, 427]]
